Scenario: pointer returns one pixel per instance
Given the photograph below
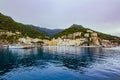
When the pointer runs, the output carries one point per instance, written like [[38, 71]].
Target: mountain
[[76, 26], [8, 24], [79, 28], [72, 29], [49, 32]]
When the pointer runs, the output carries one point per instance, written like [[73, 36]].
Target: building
[[76, 34], [86, 35], [89, 31], [94, 34], [95, 41], [2, 33], [63, 37], [36, 40], [18, 32], [70, 36], [27, 40], [82, 40], [10, 33], [53, 42], [46, 42]]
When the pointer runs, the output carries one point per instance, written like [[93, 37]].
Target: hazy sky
[[100, 15]]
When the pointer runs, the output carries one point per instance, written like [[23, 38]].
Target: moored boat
[[20, 47], [16, 47]]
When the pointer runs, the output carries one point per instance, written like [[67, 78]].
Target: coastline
[[31, 46], [114, 48], [72, 46]]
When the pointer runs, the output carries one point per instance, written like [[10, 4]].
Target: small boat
[[16, 47], [20, 47], [5, 45], [28, 47]]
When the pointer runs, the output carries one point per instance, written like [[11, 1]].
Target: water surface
[[60, 63]]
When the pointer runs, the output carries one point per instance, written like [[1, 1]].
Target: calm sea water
[[60, 63]]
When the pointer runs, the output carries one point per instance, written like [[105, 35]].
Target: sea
[[60, 63]]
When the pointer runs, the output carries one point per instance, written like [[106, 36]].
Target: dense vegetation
[[107, 36], [7, 23]]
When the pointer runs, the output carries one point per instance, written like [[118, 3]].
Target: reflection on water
[[68, 63], [73, 57]]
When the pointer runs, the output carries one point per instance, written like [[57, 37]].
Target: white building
[[86, 35], [89, 31], [36, 40], [22, 40]]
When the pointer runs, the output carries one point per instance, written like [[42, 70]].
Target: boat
[[28, 46], [20, 46], [5, 45], [16, 47]]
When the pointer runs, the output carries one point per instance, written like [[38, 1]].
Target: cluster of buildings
[[9, 33], [30, 41], [90, 38], [23, 40]]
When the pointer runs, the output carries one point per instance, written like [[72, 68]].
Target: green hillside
[[7, 23], [78, 28], [74, 28]]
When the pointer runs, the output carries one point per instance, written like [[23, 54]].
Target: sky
[[99, 15]]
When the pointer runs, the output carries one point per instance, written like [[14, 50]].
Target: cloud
[[96, 14]]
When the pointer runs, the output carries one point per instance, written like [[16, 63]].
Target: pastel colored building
[[94, 34], [70, 36]]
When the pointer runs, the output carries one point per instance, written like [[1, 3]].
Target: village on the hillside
[[90, 38]]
